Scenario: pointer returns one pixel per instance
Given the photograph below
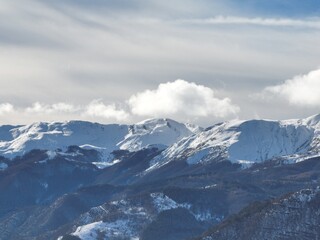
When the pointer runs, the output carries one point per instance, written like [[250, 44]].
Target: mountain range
[[160, 179]]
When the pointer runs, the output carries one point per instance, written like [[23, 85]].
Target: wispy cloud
[[73, 52], [96, 109], [271, 22], [60, 107]]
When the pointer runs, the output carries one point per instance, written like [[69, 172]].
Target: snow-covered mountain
[[246, 142], [17, 140], [168, 180], [156, 132], [243, 142]]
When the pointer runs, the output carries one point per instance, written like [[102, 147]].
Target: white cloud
[[98, 109], [61, 111], [41, 108], [302, 90], [180, 99], [94, 109], [273, 22], [6, 108]]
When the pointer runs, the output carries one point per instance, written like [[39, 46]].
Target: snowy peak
[[260, 140], [238, 141], [246, 142], [17, 140], [160, 124], [59, 135], [156, 132], [313, 121]]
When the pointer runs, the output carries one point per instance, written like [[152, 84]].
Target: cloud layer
[[302, 90], [179, 99], [57, 56]]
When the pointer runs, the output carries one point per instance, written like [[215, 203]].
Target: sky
[[122, 61]]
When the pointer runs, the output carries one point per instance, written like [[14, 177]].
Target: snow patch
[[210, 186], [198, 156], [163, 202], [45, 185], [51, 154], [207, 216], [3, 166], [126, 226], [102, 165], [119, 228], [306, 195]]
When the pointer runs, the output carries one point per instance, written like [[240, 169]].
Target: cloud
[[98, 109], [48, 53], [6, 108], [95, 109], [273, 22], [41, 108], [302, 90], [180, 99]]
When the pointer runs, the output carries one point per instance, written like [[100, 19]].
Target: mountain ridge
[[239, 141], [17, 140], [246, 142], [70, 193]]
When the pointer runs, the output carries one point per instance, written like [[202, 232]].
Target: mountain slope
[[15, 141], [293, 216], [194, 183], [246, 142]]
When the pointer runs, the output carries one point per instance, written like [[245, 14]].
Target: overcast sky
[[124, 61]]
